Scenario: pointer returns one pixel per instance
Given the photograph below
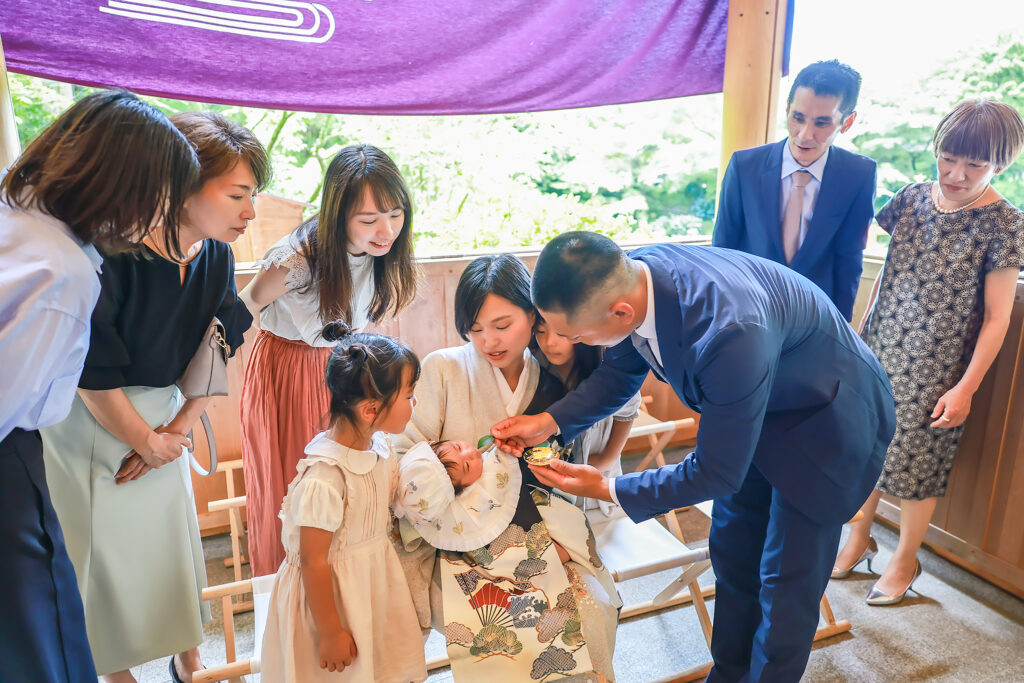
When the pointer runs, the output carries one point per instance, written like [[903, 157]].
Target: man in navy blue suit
[[796, 415], [802, 202]]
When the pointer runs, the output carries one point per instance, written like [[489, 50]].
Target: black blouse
[[147, 324]]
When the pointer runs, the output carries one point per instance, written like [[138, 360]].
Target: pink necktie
[[794, 214]]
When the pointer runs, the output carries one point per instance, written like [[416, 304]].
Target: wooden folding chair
[[233, 504], [658, 432], [630, 550], [233, 670]]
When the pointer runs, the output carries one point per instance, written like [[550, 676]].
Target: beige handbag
[[207, 375], [207, 372]]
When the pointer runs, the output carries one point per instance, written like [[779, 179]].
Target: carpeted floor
[[957, 628]]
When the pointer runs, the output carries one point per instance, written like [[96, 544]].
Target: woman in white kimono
[[465, 390]]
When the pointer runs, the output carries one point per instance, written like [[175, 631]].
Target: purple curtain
[[376, 56]]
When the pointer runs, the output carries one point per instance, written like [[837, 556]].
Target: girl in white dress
[[351, 262], [340, 601]]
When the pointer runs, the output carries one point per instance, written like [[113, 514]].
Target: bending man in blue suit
[[802, 202], [796, 415]]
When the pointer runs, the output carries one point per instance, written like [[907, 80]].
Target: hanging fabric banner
[[376, 56]]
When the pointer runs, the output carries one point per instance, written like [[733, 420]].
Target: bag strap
[[212, 443]]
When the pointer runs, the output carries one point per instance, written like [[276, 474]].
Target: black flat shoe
[[174, 673]]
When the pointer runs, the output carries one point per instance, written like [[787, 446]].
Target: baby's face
[[463, 463]]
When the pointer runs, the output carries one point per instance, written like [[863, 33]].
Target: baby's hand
[[337, 651]]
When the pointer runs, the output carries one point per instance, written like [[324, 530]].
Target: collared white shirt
[[352, 459], [48, 288], [789, 167], [649, 331], [647, 328]]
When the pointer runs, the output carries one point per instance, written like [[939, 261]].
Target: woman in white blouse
[[106, 171], [352, 262]]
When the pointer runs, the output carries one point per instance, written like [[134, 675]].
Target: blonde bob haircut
[[982, 130]]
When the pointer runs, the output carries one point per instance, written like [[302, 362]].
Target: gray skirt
[[136, 548]]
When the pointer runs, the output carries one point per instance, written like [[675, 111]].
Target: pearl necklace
[[938, 207]]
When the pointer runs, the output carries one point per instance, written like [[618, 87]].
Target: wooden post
[[753, 66], [10, 147]]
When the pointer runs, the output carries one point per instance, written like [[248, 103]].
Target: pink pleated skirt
[[285, 403]]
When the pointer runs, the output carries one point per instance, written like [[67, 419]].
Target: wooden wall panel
[[275, 218]]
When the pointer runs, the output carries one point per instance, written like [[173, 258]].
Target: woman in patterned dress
[[942, 310]]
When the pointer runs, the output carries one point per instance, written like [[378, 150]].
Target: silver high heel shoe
[[877, 597], [868, 554]]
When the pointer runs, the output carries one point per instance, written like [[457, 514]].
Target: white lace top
[[295, 314]]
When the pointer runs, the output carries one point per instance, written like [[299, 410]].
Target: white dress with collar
[[347, 492]]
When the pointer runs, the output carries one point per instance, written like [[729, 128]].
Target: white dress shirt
[[648, 330], [48, 288], [789, 167]]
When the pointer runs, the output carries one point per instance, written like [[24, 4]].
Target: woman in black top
[[122, 490]]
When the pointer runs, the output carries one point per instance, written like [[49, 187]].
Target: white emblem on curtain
[[304, 22]]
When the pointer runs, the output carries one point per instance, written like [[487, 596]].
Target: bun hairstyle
[[363, 366], [336, 331]]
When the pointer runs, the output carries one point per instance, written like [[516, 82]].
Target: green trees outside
[[634, 171]]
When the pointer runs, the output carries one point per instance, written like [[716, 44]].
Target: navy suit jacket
[[780, 379], [831, 255]]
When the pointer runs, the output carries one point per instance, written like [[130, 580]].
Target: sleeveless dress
[[346, 491]]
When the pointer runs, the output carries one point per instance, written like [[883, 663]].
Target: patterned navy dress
[[925, 322]]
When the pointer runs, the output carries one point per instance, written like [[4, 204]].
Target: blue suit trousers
[[772, 564]]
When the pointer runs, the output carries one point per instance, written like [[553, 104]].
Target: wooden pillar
[[753, 67], [10, 147]]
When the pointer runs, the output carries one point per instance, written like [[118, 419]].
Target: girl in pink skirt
[[351, 262]]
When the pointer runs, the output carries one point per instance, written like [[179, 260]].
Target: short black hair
[[830, 78], [572, 268], [503, 274]]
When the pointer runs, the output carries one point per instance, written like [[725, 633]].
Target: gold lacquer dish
[[540, 455]]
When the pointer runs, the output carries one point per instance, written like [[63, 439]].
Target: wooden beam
[[10, 147], [756, 32]]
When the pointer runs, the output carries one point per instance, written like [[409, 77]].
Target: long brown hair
[[324, 238], [110, 167], [220, 144]]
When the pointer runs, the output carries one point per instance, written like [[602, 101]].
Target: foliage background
[[630, 171]]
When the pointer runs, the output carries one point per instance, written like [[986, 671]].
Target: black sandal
[[174, 673]]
